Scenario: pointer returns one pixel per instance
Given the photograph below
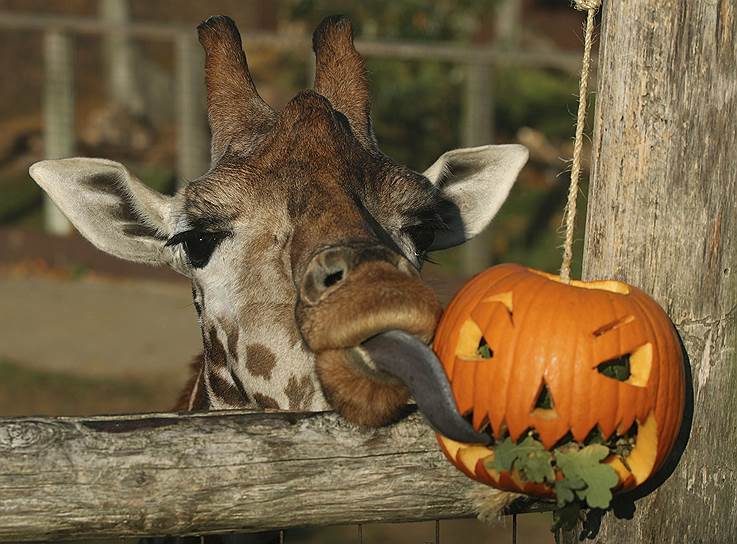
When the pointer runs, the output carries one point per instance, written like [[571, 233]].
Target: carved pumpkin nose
[[331, 267]]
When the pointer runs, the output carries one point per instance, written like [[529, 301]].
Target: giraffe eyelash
[[198, 245]]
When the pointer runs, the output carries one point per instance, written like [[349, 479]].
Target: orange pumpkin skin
[[543, 332]]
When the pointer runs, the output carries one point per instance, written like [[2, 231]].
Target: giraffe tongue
[[409, 359]]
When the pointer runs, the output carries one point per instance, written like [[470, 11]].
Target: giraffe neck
[[235, 374], [254, 356]]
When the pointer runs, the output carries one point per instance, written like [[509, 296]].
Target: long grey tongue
[[404, 356]]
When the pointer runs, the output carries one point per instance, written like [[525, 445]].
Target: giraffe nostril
[[326, 270], [333, 278], [329, 268]]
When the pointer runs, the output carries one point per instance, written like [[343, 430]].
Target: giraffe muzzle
[[368, 317], [350, 293]]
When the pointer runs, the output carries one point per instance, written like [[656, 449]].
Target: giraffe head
[[303, 240]]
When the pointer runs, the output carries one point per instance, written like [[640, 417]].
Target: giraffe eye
[[198, 245], [422, 236]]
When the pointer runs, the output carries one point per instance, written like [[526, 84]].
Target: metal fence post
[[58, 109], [477, 130], [478, 118], [507, 24], [120, 58], [192, 134], [311, 69]]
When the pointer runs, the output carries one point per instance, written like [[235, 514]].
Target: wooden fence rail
[[168, 474]]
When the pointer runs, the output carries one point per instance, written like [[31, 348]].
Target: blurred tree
[[416, 105], [416, 20]]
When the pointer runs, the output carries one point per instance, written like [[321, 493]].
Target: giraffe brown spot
[[265, 401], [215, 350], [226, 391], [260, 360], [232, 335], [299, 391]]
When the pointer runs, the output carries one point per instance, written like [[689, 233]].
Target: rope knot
[[585, 5]]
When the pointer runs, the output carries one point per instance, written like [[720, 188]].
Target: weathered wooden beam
[[662, 215], [164, 474]]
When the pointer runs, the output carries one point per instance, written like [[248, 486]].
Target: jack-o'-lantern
[[564, 364]]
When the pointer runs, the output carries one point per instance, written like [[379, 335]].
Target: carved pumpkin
[[527, 354]]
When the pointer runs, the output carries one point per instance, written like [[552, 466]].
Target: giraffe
[[303, 241]]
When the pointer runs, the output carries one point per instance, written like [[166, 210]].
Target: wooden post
[[192, 135], [662, 215], [58, 107], [477, 130]]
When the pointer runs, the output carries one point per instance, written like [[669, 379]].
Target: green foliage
[[20, 195], [416, 107], [415, 20], [536, 98], [586, 476], [529, 457], [567, 516], [484, 350], [586, 480]]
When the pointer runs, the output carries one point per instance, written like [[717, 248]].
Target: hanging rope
[[590, 6]]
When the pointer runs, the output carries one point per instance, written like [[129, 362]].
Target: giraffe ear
[[473, 183], [111, 208]]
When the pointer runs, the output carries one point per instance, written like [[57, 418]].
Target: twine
[[586, 5], [570, 214]]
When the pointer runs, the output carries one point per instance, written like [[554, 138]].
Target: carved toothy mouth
[[632, 453]]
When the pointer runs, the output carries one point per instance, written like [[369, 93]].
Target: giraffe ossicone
[[303, 240]]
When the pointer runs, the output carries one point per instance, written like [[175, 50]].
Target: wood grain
[[662, 215], [160, 474]]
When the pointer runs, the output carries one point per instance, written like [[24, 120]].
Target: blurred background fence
[[473, 69]]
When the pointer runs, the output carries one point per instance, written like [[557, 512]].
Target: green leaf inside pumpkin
[[586, 481]]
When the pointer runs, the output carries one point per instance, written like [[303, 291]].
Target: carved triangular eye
[[617, 368], [544, 405], [631, 368], [544, 399]]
